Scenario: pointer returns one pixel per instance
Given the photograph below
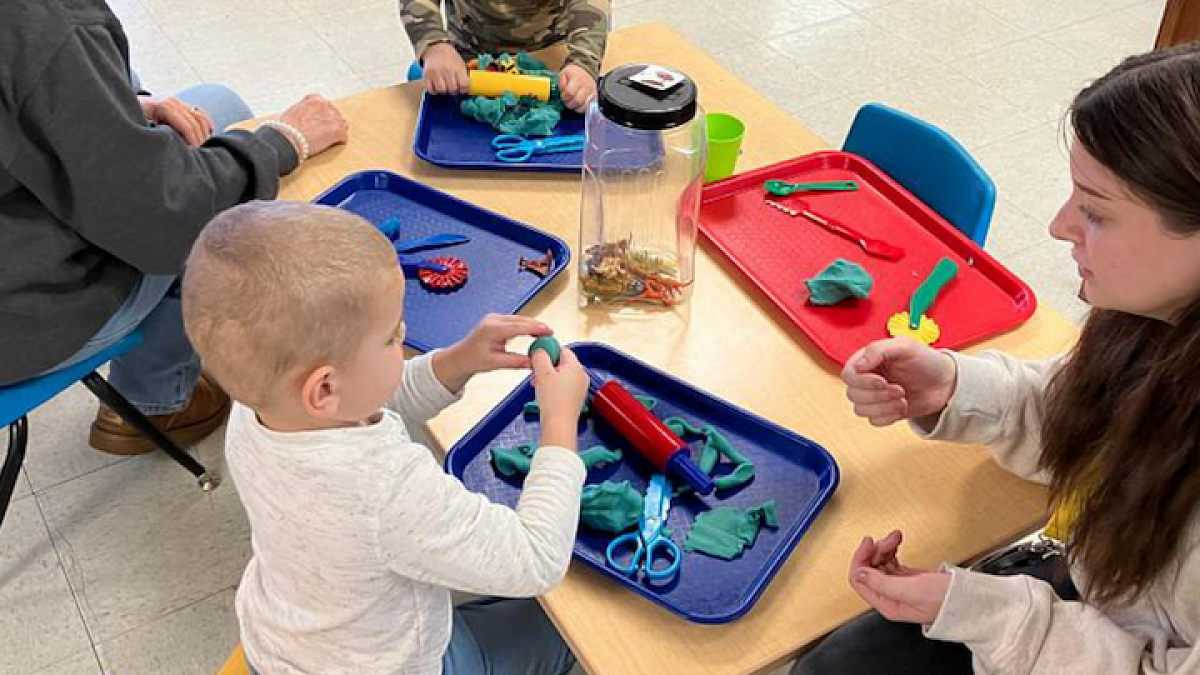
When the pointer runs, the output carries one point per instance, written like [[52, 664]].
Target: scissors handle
[[432, 241], [660, 549], [623, 542]]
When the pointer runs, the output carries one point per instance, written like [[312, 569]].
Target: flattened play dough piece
[[610, 507], [599, 455], [839, 281], [726, 531]]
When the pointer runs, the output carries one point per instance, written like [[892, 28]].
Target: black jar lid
[[638, 105]]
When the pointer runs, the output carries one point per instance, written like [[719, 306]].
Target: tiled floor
[[120, 567]]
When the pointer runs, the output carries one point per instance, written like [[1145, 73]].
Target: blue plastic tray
[[448, 138], [797, 473], [495, 284]]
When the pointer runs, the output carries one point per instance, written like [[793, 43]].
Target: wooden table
[[951, 501]]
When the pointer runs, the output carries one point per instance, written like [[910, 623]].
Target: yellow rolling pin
[[492, 84]]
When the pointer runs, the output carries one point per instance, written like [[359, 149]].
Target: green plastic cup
[[725, 133]]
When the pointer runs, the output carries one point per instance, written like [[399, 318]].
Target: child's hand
[[484, 349], [560, 394], [899, 593], [445, 71], [899, 378], [576, 86]]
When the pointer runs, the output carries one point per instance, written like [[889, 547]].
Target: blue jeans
[[501, 636], [158, 376]]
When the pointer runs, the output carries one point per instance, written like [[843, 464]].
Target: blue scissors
[[649, 541], [514, 148]]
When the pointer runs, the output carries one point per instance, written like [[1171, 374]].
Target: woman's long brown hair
[[1122, 425]]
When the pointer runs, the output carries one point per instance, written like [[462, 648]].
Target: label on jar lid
[[658, 78]]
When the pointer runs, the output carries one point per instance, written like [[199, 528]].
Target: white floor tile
[[1030, 170], [1050, 271], [696, 20], [140, 540], [775, 76], [383, 77], [40, 624], [189, 22], [1038, 14], [1106, 40], [58, 447], [308, 8], [163, 71], [829, 120], [945, 29], [366, 38], [1013, 231], [853, 54], [772, 18], [1034, 74], [195, 640], [83, 663]]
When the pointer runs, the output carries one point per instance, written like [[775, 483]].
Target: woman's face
[[1127, 259]]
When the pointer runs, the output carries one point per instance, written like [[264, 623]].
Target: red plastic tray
[[778, 252]]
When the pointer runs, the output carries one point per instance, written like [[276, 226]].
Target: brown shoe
[[204, 413]]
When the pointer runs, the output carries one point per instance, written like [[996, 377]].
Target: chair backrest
[[929, 163], [17, 400]]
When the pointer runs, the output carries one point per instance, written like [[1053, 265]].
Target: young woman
[[1113, 427]]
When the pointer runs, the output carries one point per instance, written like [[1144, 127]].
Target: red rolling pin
[[645, 432]]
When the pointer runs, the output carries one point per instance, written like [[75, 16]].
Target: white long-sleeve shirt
[[1016, 625], [358, 537]]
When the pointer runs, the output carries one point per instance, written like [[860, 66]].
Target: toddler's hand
[[445, 71], [577, 87], [484, 349], [560, 394]]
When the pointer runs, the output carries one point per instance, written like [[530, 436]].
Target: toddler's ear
[[318, 395]]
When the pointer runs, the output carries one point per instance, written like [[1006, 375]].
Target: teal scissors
[[514, 148], [649, 542]]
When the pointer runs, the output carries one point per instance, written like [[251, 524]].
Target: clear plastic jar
[[643, 171]]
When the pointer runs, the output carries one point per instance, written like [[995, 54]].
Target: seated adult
[[102, 193]]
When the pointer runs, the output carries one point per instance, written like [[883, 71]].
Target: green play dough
[[532, 408], [519, 459], [841, 280], [726, 531], [610, 507], [599, 455], [715, 447], [515, 460], [548, 344], [508, 114]]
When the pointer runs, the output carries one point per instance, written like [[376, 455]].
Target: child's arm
[[434, 530], [587, 24], [424, 24]]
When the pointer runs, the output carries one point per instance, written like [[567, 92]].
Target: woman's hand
[[190, 122], [899, 378], [897, 592], [319, 121]]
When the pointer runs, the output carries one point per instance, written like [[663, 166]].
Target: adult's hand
[[319, 120], [192, 123], [899, 378]]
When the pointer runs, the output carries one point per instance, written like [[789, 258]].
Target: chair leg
[[18, 438], [113, 399]]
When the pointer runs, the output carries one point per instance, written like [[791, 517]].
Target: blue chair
[[929, 163], [17, 400]]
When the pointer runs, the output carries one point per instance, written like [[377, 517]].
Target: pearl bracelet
[[293, 133]]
